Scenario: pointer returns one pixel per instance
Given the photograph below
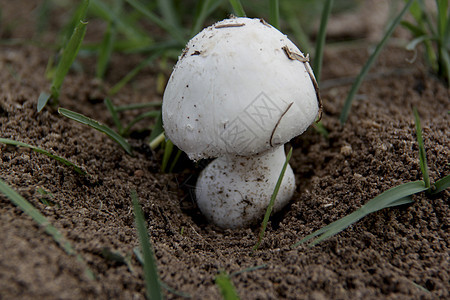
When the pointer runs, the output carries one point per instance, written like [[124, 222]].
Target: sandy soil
[[394, 253]]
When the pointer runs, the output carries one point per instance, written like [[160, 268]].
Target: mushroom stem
[[234, 191]]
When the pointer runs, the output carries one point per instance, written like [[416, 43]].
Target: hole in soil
[[188, 204], [430, 285], [278, 217], [419, 86], [3, 112]]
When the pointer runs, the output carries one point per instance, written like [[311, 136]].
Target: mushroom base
[[234, 192]]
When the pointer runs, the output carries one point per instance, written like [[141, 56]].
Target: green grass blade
[[133, 73], [425, 17], [158, 129], [393, 194], [77, 169], [237, 8], [173, 31], [348, 102], [441, 184], [112, 110], [300, 35], [69, 54], [137, 106], [111, 14], [96, 125], [226, 287], [31, 211], [140, 258], [392, 197], [422, 152], [318, 57], [167, 9], [321, 129], [168, 149], [401, 201], [272, 201], [42, 101], [153, 287], [79, 14], [250, 269], [204, 7], [413, 44], [105, 50], [154, 143], [443, 17], [42, 19], [175, 160], [274, 13], [444, 62], [143, 116], [415, 29]]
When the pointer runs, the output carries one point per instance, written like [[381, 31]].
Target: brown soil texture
[[391, 254]]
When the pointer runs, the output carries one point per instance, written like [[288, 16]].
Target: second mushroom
[[239, 91]]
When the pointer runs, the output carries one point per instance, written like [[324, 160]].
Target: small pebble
[[139, 173], [346, 150]]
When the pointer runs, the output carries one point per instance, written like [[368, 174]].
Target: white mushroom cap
[[238, 89]]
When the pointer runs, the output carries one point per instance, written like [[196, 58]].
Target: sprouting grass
[[137, 106], [143, 116], [422, 152], [440, 185], [152, 283], [274, 13], [365, 69], [318, 56], [237, 8], [69, 54], [96, 125], [113, 110], [31, 211], [398, 195], [77, 169], [105, 50], [272, 201], [226, 287], [140, 258], [174, 31], [158, 140], [433, 32], [119, 85]]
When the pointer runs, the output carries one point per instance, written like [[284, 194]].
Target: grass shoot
[[272, 202], [152, 282], [237, 8], [226, 287], [69, 54], [40, 219], [77, 169], [119, 85], [318, 56], [365, 69], [96, 125], [398, 195], [274, 13], [422, 152], [433, 32]]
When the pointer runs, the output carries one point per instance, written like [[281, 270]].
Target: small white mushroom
[[239, 92]]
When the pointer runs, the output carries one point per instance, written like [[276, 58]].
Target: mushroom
[[239, 91]]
